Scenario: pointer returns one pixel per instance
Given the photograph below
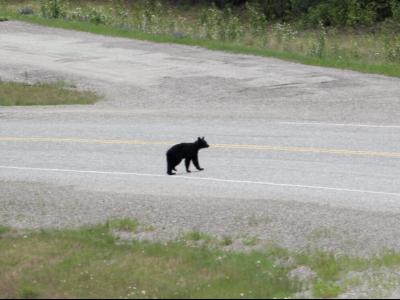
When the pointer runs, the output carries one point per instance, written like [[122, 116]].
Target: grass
[[3, 230], [197, 236], [251, 241], [326, 290], [226, 241], [18, 94], [90, 263], [374, 51], [127, 225]]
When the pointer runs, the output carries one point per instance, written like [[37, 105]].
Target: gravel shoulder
[[293, 225]]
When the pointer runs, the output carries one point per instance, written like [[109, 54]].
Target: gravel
[[346, 231]]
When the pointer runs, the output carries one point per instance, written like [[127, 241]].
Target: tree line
[[327, 12]]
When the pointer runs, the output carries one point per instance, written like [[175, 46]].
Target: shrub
[[210, 21], [151, 16], [97, 16], [395, 8], [233, 27], [357, 14], [318, 47], [284, 32], [392, 50], [77, 14], [53, 9], [256, 19]]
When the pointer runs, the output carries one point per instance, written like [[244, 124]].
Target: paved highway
[[322, 145]]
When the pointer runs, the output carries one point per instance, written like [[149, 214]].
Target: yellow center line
[[270, 148]]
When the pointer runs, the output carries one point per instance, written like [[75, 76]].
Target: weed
[[251, 241], [226, 241], [3, 230], [196, 236], [318, 47], [27, 291], [395, 8], [392, 50], [53, 9], [325, 290], [128, 225], [211, 22], [257, 21]]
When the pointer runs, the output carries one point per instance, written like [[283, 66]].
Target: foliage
[[392, 50], [395, 8], [318, 47], [52, 9]]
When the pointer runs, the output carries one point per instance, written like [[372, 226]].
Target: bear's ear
[[198, 138], [203, 138]]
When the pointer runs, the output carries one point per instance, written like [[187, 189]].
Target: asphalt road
[[306, 147]]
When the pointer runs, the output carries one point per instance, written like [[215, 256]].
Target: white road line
[[341, 125], [205, 179]]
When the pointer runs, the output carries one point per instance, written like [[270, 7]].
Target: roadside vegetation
[[59, 93], [92, 262], [359, 35]]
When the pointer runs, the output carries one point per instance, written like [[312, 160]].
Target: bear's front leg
[[196, 164], [187, 164]]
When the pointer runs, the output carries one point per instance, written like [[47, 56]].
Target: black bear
[[187, 151]]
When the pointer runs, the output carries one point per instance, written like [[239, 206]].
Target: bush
[[77, 14], [392, 50], [151, 16], [318, 47], [232, 28], [395, 9], [327, 13], [97, 16], [53, 9], [211, 21], [255, 18], [357, 14]]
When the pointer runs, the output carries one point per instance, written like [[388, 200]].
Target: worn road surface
[[301, 156]]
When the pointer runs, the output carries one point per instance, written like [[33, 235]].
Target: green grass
[[226, 241], [326, 290], [196, 236], [3, 230], [367, 65], [91, 263], [127, 225], [251, 241], [19, 94]]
